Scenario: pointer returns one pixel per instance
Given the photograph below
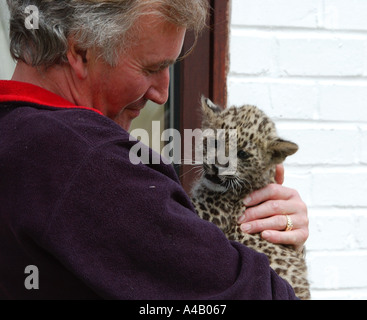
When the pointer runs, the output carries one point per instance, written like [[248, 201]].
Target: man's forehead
[[158, 44]]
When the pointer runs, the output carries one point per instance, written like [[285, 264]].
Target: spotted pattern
[[218, 198]]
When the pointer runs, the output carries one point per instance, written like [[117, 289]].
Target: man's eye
[[153, 71], [149, 72]]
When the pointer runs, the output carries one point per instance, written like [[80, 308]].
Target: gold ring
[[289, 226]]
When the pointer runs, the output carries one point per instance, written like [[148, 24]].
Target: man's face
[[141, 74]]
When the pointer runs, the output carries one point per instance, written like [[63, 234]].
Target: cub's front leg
[[284, 260]]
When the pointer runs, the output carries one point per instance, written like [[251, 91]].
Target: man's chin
[[132, 113], [129, 113]]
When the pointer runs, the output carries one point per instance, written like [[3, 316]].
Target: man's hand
[[266, 212]]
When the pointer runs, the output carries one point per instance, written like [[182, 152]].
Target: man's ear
[[280, 149], [78, 60]]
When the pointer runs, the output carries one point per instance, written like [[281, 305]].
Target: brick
[[300, 180], [351, 294], [337, 270], [295, 13], [280, 100], [345, 14], [343, 187], [343, 102], [349, 224], [243, 92], [359, 230], [252, 53], [322, 144], [363, 148], [323, 223], [292, 100], [322, 55]]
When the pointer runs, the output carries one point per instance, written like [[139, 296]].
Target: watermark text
[[32, 20], [31, 281], [196, 147]]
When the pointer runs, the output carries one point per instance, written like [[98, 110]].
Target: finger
[[272, 223], [277, 223], [296, 237], [279, 174], [270, 208], [270, 192]]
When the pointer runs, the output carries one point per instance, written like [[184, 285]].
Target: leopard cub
[[218, 194]]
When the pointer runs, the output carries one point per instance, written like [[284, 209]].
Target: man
[[73, 207]]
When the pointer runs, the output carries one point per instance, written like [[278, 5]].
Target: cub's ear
[[209, 107], [280, 149], [209, 112]]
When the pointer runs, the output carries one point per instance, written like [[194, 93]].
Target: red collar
[[14, 91]]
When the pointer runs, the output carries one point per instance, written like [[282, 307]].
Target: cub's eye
[[243, 155]]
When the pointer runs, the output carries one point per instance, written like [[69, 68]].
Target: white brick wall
[[305, 64], [7, 64]]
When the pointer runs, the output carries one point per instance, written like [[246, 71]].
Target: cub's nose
[[211, 169], [215, 169]]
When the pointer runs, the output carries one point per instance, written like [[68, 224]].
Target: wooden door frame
[[203, 72]]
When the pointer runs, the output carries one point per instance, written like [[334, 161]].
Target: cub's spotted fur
[[219, 198]]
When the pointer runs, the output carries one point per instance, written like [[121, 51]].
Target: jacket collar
[[20, 92]]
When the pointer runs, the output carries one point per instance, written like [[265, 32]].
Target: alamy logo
[[210, 147], [32, 20], [31, 282]]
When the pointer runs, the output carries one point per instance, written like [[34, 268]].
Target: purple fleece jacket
[[98, 227]]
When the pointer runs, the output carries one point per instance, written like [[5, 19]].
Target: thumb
[[279, 174]]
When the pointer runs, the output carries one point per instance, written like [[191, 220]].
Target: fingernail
[[247, 201], [246, 227], [241, 219], [265, 235]]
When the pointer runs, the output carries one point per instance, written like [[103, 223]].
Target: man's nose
[[158, 91]]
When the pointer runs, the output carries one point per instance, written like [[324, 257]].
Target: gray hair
[[107, 26]]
